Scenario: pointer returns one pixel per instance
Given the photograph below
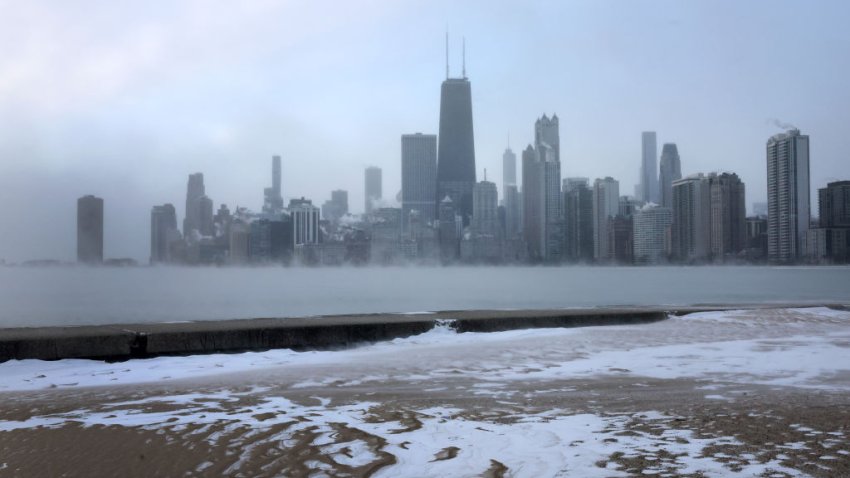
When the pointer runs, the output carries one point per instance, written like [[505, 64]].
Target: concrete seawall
[[122, 342]]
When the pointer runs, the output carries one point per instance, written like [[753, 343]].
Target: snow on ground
[[293, 399], [790, 347], [441, 443]]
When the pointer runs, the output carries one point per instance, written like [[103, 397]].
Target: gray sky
[[125, 99]]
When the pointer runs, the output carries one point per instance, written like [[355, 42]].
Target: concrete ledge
[[122, 342], [53, 343]]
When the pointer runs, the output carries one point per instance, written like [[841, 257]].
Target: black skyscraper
[[90, 230], [456, 150]]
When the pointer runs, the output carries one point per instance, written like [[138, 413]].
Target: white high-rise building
[[418, 178], [651, 229], [788, 198], [606, 204], [649, 168], [305, 221]]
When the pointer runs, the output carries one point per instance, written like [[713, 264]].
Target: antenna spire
[[464, 58], [447, 53]]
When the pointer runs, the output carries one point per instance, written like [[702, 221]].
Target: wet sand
[[500, 413]]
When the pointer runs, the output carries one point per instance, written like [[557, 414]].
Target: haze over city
[[125, 103]]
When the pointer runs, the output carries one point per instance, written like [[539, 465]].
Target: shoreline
[[760, 392], [118, 342]]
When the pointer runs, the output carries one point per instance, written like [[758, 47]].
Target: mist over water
[[80, 296]]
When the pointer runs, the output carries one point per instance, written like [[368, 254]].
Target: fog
[[125, 101], [80, 295]]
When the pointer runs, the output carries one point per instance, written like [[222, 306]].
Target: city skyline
[[118, 142]]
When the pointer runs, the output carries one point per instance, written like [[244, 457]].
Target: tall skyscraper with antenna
[[456, 149], [273, 200]]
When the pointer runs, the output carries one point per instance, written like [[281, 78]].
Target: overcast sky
[[125, 99]]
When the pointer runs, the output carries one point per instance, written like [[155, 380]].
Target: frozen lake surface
[[79, 295]]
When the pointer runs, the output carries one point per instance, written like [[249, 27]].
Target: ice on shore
[[785, 347], [551, 443]]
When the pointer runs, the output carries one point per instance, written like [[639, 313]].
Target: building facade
[[652, 225], [670, 170], [373, 187], [305, 222], [578, 220], [164, 233], [418, 178], [533, 212], [728, 215], [830, 241], [691, 230], [606, 201], [90, 230], [485, 201], [788, 208], [273, 198], [456, 150], [336, 207], [510, 196]]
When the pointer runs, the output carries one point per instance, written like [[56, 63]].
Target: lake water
[[79, 295]]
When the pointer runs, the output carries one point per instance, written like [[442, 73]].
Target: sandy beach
[[735, 393]]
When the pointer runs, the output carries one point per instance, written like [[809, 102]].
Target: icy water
[[78, 295]]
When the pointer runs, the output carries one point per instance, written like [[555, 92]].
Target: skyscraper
[[670, 170], [418, 177], [163, 232], [578, 224], [510, 195], [194, 204], [691, 231], [834, 205], [728, 215], [548, 146], [787, 195], [606, 204], [373, 187], [651, 230], [456, 153], [533, 213], [508, 169], [830, 241], [648, 168], [205, 216], [273, 200], [485, 220], [90, 230]]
